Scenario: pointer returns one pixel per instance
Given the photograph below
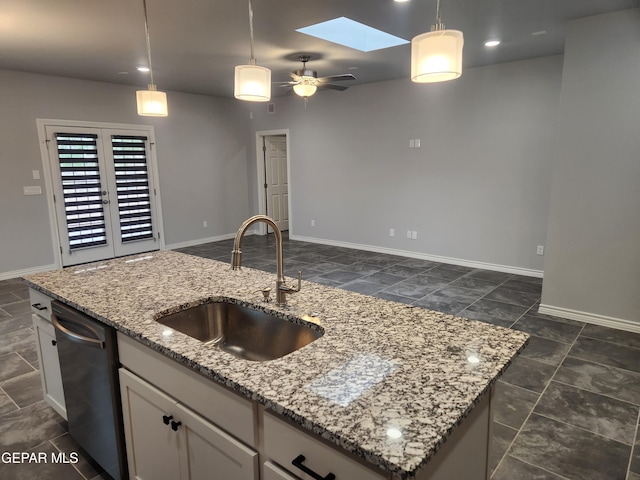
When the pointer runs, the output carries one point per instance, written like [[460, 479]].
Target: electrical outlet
[[412, 143], [417, 143], [414, 235], [540, 250], [313, 223], [205, 224], [392, 232], [408, 233]]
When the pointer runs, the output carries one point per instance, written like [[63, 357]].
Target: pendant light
[[252, 82], [151, 102], [436, 56]]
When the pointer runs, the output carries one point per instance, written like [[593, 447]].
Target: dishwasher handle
[[76, 337]]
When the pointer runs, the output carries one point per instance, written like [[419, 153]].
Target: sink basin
[[242, 331]]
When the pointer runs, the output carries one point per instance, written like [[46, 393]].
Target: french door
[[104, 192]]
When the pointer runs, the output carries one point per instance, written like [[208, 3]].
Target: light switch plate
[[33, 190]]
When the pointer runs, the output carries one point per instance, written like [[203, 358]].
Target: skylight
[[352, 34]]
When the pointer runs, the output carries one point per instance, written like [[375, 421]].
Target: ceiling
[[196, 43]]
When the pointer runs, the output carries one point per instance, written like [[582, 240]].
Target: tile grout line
[[537, 401], [73, 465], [633, 445], [12, 400], [27, 362]]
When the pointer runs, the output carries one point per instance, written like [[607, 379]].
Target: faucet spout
[[236, 255]]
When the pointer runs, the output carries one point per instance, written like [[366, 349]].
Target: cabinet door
[[153, 447], [49, 365], [212, 454]]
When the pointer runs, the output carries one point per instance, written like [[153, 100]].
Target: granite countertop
[[380, 365]]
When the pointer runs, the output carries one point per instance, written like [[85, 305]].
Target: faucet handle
[[289, 289]]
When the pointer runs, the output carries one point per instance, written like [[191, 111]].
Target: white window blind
[[82, 190], [132, 187]]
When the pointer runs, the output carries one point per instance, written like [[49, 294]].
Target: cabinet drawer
[[274, 472], [283, 443], [226, 409], [40, 304]]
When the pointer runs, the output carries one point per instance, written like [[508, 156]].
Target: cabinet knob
[[166, 419], [54, 343], [297, 462], [175, 425]]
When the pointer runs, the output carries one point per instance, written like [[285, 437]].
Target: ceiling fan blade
[[333, 86], [337, 78], [294, 77]]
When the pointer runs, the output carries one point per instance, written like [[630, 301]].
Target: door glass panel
[[132, 187], [82, 190]]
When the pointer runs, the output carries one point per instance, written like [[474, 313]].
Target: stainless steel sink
[[241, 331]]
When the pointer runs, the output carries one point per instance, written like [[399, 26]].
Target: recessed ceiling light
[[491, 43], [401, 1], [540, 32], [143, 69], [352, 34]]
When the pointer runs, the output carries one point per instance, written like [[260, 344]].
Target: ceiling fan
[[305, 81]]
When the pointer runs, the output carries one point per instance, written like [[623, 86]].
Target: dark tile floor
[[568, 407]]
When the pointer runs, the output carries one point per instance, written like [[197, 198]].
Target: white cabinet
[[47, 352], [273, 472], [307, 457], [166, 440]]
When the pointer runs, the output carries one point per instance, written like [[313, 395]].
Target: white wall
[[201, 151], [592, 267], [478, 188]]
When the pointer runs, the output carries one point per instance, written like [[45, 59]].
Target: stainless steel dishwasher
[[89, 365]]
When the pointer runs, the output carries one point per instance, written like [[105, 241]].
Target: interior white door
[[277, 180], [104, 193]]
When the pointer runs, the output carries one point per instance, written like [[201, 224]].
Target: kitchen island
[[386, 383]]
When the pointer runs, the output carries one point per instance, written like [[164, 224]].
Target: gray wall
[[477, 189], [593, 245], [201, 154]]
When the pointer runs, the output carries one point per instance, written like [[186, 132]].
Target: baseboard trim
[[199, 241], [27, 271], [434, 258], [593, 318]]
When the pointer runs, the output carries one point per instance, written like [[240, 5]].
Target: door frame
[[262, 227], [47, 174]]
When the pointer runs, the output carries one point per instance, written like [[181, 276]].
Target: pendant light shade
[[252, 83], [436, 56], [151, 102]]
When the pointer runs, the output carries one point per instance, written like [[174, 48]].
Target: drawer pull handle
[[39, 306], [166, 419], [297, 462], [175, 425]]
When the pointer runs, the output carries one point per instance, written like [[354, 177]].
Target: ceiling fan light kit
[[252, 83], [151, 102], [305, 89], [436, 56], [305, 82]]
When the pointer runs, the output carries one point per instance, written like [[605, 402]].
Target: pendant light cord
[[252, 60], [146, 31]]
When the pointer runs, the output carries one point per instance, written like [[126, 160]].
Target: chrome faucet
[[236, 255]]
